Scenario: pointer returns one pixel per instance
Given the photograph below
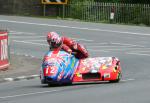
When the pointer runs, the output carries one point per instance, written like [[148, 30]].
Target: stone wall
[[21, 7]]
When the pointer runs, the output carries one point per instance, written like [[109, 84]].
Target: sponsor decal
[[73, 63], [60, 75], [83, 69], [114, 69], [96, 63], [107, 75], [79, 75], [104, 67], [94, 71], [68, 74]]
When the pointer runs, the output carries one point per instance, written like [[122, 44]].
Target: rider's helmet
[[54, 40]]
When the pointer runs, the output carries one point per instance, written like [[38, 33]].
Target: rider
[[67, 44]]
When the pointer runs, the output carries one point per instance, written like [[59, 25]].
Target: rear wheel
[[53, 84]]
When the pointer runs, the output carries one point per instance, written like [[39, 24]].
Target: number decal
[[52, 70]]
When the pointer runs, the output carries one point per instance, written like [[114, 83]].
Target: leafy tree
[[75, 1], [126, 1], [113, 1], [137, 1]]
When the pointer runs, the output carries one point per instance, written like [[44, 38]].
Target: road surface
[[131, 44]]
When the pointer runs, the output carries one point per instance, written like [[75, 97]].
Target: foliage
[[78, 8], [137, 14], [126, 1], [137, 1], [112, 1], [87, 10], [75, 1]]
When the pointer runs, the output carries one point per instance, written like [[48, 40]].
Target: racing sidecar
[[60, 67]]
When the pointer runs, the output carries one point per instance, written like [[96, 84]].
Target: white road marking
[[127, 44], [43, 92], [142, 51], [95, 50], [140, 54], [113, 43], [78, 39], [26, 42], [28, 94], [94, 43], [80, 28], [127, 80], [9, 79], [21, 77], [111, 46], [36, 75], [37, 40], [104, 50], [13, 32], [122, 49], [22, 37]]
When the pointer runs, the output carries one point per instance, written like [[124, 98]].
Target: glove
[[69, 51], [75, 46]]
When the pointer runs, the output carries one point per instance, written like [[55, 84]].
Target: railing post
[[44, 10], [63, 11]]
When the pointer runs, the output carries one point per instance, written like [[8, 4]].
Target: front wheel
[[117, 80]]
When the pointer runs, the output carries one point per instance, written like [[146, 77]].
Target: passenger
[[67, 44]]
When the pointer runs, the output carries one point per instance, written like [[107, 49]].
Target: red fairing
[[97, 69], [70, 45]]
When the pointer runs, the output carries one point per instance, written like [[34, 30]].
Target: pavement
[[21, 67]]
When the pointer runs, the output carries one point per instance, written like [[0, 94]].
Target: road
[[129, 43]]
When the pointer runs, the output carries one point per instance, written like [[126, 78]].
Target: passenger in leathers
[[67, 44]]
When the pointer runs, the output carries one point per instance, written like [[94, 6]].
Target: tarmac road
[[129, 43]]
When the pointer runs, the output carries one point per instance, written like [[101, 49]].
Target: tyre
[[117, 80]]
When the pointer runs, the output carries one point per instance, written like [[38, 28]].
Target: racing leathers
[[72, 46]]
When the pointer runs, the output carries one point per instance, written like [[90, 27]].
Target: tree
[[113, 1], [126, 1]]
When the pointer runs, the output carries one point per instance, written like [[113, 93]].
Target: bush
[[136, 14]]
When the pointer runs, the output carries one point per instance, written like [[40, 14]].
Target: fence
[[86, 11], [4, 50], [102, 12]]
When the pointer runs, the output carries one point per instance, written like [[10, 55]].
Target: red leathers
[[67, 44], [70, 45]]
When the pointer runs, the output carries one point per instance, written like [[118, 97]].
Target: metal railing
[[108, 12], [85, 11]]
